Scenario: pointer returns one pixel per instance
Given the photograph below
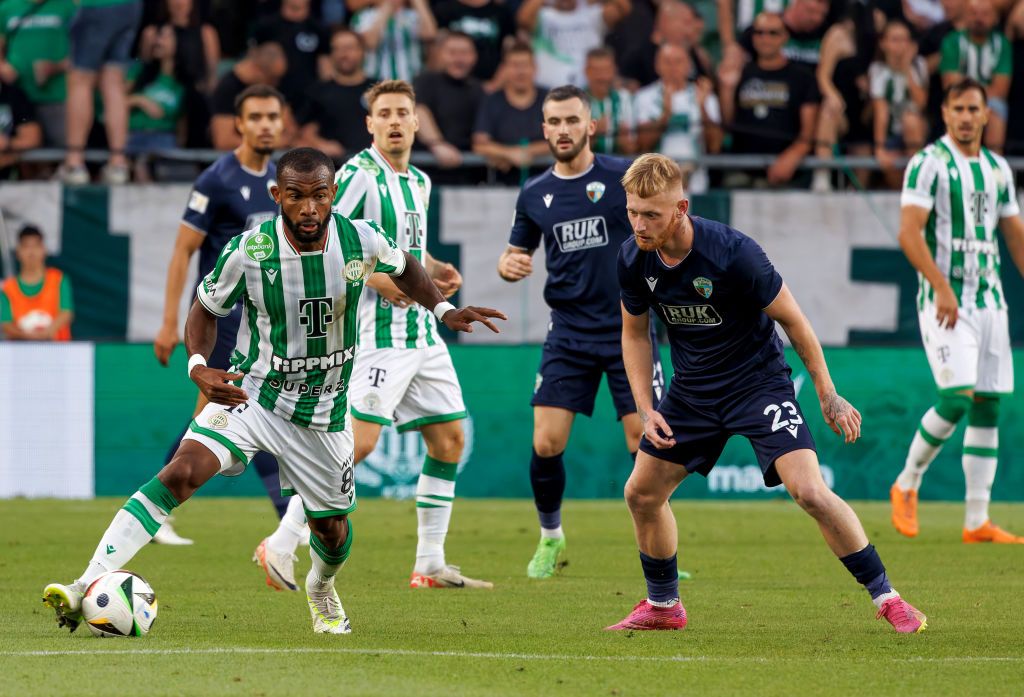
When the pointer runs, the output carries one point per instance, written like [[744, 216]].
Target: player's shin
[[547, 477], [435, 492], [981, 448], [935, 428], [866, 566], [327, 561], [290, 530], [131, 530], [662, 576]]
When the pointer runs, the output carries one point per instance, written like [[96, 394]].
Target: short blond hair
[[650, 175], [389, 87]]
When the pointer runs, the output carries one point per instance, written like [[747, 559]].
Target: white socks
[[981, 446], [130, 530], [290, 530], [932, 433], [552, 533], [435, 492]]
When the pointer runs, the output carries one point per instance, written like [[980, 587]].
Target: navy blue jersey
[[712, 304], [582, 221], [226, 200]]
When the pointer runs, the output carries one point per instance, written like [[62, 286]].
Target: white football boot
[[66, 601], [280, 568], [325, 606]]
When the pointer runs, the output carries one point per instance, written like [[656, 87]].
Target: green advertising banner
[[141, 408]]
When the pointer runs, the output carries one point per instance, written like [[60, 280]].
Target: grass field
[[771, 611]]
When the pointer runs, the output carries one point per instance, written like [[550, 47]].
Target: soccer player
[[299, 277], [230, 196], [578, 209], [404, 374], [956, 193], [720, 298]]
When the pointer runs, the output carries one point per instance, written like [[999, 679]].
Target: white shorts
[[975, 354], [316, 465], [410, 387]]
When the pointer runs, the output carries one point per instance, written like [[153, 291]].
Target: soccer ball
[[119, 603]]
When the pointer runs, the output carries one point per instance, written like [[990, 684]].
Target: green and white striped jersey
[[369, 187], [399, 53], [967, 198], [298, 338], [981, 62], [618, 108]]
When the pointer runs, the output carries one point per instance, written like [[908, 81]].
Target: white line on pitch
[[471, 654]]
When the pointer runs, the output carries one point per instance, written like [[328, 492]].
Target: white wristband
[[441, 308], [196, 359]]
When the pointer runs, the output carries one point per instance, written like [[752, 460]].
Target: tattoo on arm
[[834, 406], [805, 358]]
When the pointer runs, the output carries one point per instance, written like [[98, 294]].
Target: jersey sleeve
[[1004, 66], [1007, 201], [627, 112], [352, 185], [526, 234], [225, 284], [629, 291], [876, 81], [6, 314], [755, 272], [949, 61], [67, 301], [920, 181], [380, 252], [199, 212]]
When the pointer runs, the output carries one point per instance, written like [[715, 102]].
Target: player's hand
[[841, 417], [461, 320], [657, 430], [515, 266], [166, 340], [447, 279], [216, 385], [946, 307]]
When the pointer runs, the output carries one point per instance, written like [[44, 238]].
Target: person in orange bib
[[36, 304]]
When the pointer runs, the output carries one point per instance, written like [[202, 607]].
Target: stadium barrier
[[83, 420]]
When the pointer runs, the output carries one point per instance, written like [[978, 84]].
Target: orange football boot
[[904, 511], [990, 532]]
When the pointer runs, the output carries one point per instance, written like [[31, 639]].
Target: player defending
[[720, 298], [299, 277], [955, 195], [231, 196], [578, 208], [404, 374]]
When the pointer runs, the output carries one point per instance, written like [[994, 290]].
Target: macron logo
[[651, 282], [548, 198]]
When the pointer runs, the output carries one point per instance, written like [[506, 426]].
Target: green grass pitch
[[771, 611]]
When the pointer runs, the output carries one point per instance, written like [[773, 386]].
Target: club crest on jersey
[[703, 286], [218, 420], [595, 190], [259, 247], [354, 270]]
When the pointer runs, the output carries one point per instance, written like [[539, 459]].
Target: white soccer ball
[[119, 603], [36, 319]]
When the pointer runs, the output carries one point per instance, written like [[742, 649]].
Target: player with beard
[[299, 277], [578, 209], [230, 196]]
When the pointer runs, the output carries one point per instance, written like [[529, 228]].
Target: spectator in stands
[[806, 23], [930, 49], [508, 125], [921, 15], [1015, 123], [679, 118], [264, 64], [899, 95], [306, 45], [333, 114], [676, 23], [611, 107], [198, 46], [445, 98], [563, 31], [770, 105], [734, 22], [982, 52], [394, 34], [19, 128], [36, 304], [488, 22], [102, 35], [155, 104], [34, 46]]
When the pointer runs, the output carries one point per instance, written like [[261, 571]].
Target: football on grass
[[119, 603]]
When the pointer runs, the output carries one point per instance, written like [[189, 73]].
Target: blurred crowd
[[783, 78]]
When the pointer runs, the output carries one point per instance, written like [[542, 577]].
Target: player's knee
[[952, 406], [984, 412], [181, 476], [642, 501], [447, 446], [331, 531], [813, 497]]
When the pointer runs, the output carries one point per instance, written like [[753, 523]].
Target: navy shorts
[[570, 375], [227, 334], [104, 35], [766, 413]]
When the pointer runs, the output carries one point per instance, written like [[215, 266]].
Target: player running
[[956, 193], [578, 208], [299, 277], [720, 298], [230, 196], [404, 374]]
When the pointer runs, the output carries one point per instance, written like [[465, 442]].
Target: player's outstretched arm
[[839, 414], [912, 222], [415, 282], [200, 337], [189, 240], [515, 264], [637, 357]]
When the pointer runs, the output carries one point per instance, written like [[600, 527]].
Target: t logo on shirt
[[315, 314], [584, 233]]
